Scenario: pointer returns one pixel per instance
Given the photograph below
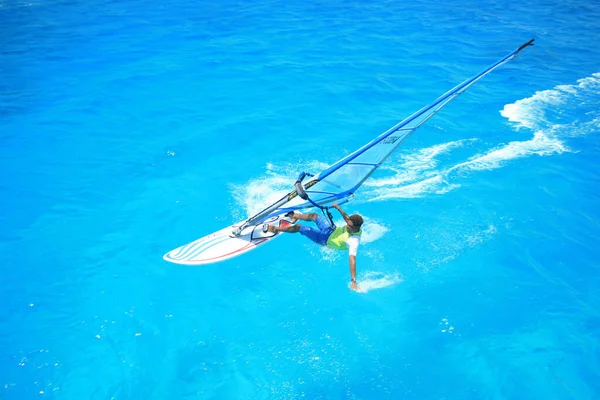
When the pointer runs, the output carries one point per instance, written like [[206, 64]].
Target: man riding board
[[340, 238]]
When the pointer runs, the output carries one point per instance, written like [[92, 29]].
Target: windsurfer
[[339, 238]]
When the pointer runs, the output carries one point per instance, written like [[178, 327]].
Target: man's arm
[[346, 217], [353, 285]]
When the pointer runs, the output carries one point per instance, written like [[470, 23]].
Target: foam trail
[[437, 184], [554, 115], [549, 108], [372, 280], [414, 166], [541, 144]]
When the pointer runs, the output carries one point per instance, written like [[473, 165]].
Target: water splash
[[554, 115], [372, 280], [415, 166], [372, 231], [555, 108], [255, 195]]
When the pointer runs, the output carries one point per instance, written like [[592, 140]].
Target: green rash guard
[[337, 239]]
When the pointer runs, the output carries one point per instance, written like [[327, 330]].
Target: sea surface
[[130, 128]]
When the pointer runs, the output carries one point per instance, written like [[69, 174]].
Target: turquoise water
[[128, 129]]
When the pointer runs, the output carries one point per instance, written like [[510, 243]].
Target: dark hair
[[357, 221]]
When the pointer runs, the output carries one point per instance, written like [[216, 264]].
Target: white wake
[[552, 115], [372, 280]]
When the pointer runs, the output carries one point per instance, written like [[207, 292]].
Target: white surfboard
[[221, 246]]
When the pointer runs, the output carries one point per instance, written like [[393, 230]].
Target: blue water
[[130, 128]]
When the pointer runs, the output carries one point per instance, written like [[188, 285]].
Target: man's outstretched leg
[[293, 228], [303, 217], [288, 229]]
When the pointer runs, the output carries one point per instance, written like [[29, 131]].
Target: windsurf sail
[[339, 182]]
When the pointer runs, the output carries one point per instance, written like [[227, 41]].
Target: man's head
[[357, 222]]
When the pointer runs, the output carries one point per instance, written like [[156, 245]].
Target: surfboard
[[222, 245]]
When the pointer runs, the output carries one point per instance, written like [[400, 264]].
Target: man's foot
[[269, 228], [292, 216]]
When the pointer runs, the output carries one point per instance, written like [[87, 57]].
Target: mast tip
[[530, 43]]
